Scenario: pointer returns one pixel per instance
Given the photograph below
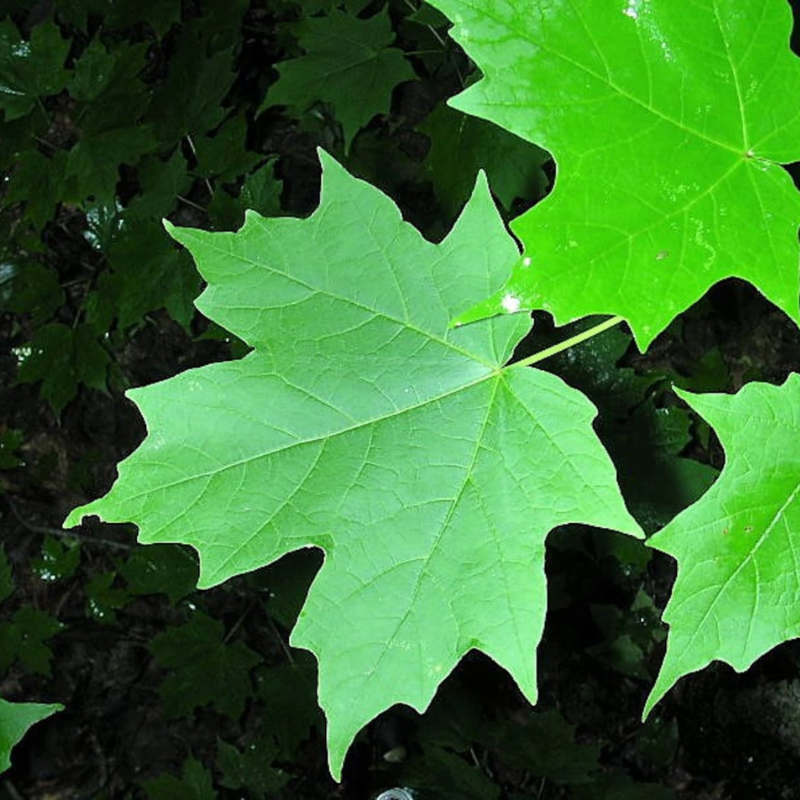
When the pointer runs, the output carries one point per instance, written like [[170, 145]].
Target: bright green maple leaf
[[668, 126], [15, 719], [363, 424], [737, 594], [346, 58]]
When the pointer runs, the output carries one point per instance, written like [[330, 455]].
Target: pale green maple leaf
[[346, 58], [737, 594], [668, 125], [15, 719], [363, 424]]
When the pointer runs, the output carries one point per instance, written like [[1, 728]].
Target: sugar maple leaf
[[363, 424], [737, 594], [668, 126]]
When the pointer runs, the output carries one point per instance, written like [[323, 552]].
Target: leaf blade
[[667, 147], [364, 425]]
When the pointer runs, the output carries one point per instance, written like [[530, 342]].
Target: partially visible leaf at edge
[[363, 424], [737, 594], [668, 128], [15, 720]]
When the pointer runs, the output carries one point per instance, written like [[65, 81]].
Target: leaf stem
[[548, 352]]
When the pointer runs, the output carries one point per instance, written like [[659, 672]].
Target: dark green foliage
[[160, 568], [23, 639], [195, 783], [205, 668], [59, 560], [251, 768]]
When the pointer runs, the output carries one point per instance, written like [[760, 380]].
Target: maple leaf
[[668, 138], [15, 719], [206, 668], [30, 69], [737, 594], [365, 425], [346, 57]]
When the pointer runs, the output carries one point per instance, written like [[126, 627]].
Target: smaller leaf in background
[[443, 775], [6, 576], [160, 569], [105, 74], [59, 559], [346, 57], [195, 783], [93, 163], [206, 668], [23, 639], [629, 635], [735, 597], [111, 99], [28, 287], [709, 373], [30, 69], [426, 28], [15, 720], [252, 768], [261, 191], [224, 155], [461, 145], [221, 23], [146, 273], [11, 440], [379, 158], [38, 182], [160, 15], [189, 102], [162, 182], [543, 743], [289, 717], [103, 599], [63, 358], [658, 739]]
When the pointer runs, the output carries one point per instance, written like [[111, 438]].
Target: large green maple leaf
[[737, 594], [668, 124], [365, 425]]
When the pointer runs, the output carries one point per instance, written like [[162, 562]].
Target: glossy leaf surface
[[737, 594], [364, 425], [668, 125]]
